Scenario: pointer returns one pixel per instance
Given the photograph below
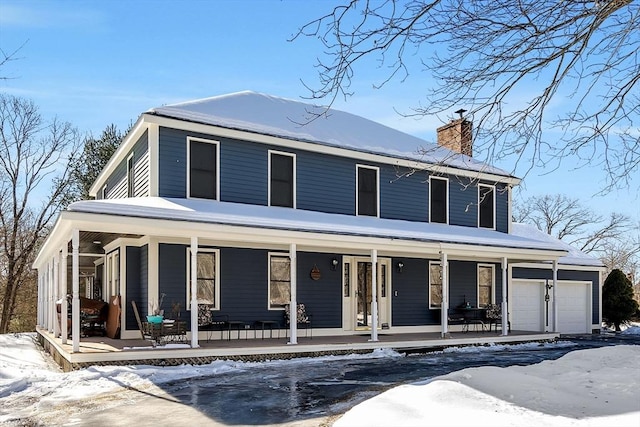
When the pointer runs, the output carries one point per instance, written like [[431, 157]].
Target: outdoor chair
[[493, 316], [143, 333], [209, 322], [302, 317]]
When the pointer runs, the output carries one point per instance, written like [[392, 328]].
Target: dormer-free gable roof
[[285, 118]]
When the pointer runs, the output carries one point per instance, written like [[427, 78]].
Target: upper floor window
[[130, 177], [103, 192], [203, 169], [438, 198], [282, 179], [207, 272], [486, 292], [279, 281], [486, 206], [367, 190], [435, 285]]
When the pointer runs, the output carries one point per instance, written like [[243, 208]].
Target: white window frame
[[493, 189], [438, 307], [131, 173], [295, 176], [377, 169], [216, 291], [104, 192], [280, 255], [112, 273], [441, 178], [493, 283], [208, 141]]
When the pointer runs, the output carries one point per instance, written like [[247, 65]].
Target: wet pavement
[[313, 391]]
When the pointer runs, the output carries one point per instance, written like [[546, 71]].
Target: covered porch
[[106, 351], [102, 232]]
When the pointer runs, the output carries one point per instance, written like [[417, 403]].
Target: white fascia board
[[60, 235], [127, 143], [166, 228], [561, 266], [324, 149]]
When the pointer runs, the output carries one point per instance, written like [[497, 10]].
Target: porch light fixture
[[334, 264], [400, 266]]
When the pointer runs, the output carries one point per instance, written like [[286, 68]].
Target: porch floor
[[107, 351]]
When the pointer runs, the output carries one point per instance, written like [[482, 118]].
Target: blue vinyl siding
[[144, 277], [324, 183], [133, 285], [410, 306], [502, 208], [564, 274], [139, 151], [463, 202], [403, 196], [244, 291]]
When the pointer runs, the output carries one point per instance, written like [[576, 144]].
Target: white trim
[[131, 173], [292, 310], [509, 209], [295, 176], [290, 144], [493, 192], [442, 178], [549, 266], [153, 146], [377, 169], [493, 282], [429, 305], [206, 141], [216, 267]]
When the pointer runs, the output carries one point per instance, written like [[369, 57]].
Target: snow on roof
[[575, 256], [285, 118], [213, 212]]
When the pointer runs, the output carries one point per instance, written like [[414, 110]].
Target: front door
[[358, 294]]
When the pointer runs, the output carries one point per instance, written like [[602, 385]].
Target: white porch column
[[555, 299], [505, 311], [374, 295], [194, 292], [50, 301], [444, 263], [64, 310], [56, 293], [75, 280], [293, 304]]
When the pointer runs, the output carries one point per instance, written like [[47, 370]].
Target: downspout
[[374, 295], [505, 311], [194, 293], [444, 263], [293, 304], [75, 304]]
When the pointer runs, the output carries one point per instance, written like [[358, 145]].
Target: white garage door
[[527, 303], [574, 313]]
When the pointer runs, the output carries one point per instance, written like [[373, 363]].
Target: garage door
[[527, 303], [574, 313]]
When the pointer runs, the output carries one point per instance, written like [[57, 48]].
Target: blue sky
[[96, 63]]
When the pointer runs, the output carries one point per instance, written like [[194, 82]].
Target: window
[[104, 192], [130, 177], [435, 285], [367, 191], [279, 281], [486, 206], [208, 290], [203, 167], [485, 285], [346, 280], [282, 177], [438, 195]]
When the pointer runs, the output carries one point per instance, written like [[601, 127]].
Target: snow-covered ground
[[598, 387]]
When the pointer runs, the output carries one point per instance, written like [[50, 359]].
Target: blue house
[[241, 205]]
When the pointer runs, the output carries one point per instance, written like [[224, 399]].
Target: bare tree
[[33, 154], [508, 62], [615, 240]]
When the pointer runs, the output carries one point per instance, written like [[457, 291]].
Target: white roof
[[213, 212], [285, 118], [575, 256]]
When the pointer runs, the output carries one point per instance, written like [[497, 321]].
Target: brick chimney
[[456, 136]]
